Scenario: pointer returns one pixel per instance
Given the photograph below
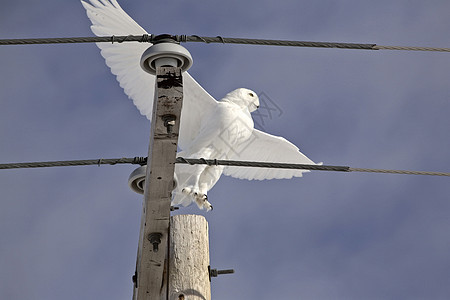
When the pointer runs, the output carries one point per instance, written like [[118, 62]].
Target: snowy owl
[[209, 129]]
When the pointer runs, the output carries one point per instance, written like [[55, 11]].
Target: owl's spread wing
[[108, 19], [265, 147]]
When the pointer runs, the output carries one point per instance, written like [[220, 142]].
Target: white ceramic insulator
[[167, 62]]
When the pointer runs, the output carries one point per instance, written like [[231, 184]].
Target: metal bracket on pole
[[167, 59]]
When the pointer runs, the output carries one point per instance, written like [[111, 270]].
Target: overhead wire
[[71, 163], [214, 162], [146, 38]]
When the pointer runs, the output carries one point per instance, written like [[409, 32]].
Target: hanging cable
[[214, 162], [218, 39]]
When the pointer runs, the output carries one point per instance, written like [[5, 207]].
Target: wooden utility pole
[[188, 271], [154, 230], [171, 266]]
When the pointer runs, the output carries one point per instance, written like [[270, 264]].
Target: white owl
[[209, 129]]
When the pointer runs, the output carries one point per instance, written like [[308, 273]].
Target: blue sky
[[72, 233]]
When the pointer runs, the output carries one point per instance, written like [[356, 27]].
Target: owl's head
[[244, 98]]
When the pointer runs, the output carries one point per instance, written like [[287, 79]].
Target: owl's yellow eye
[[251, 95]]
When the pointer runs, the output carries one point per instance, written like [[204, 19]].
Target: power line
[[214, 162], [404, 172], [288, 43], [74, 40], [376, 47], [218, 39], [70, 163], [265, 42], [256, 164]]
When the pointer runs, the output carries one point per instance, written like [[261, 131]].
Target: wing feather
[[108, 19], [265, 147]]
